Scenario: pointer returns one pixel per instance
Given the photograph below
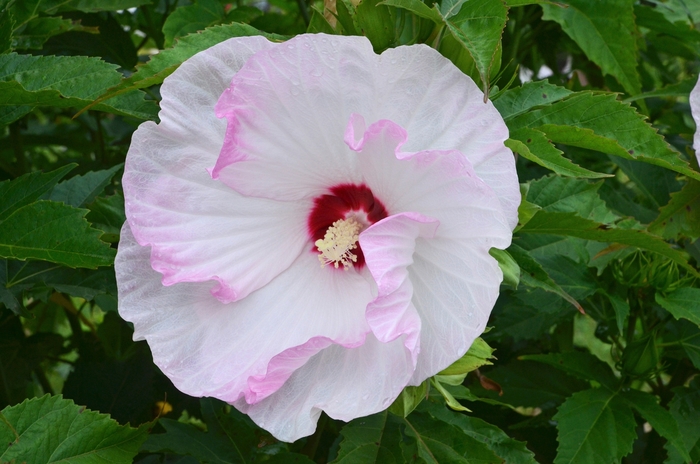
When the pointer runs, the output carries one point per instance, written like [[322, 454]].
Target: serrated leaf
[[192, 18], [681, 216], [506, 448], [373, 440], [561, 195], [436, 442], [533, 145], [516, 101], [53, 429], [416, 7], [65, 81], [533, 275], [682, 303], [572, 225], [659, 418], [478, 27], [53, 232], [686, 335], [81, 190], [27, 189], [594, 426], [685, 407], [579, 364], [606, 35], [167, 61], [599, 122]]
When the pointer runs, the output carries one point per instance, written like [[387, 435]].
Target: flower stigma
[[336, 245]]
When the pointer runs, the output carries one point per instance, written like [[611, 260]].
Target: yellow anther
[[338, 242]]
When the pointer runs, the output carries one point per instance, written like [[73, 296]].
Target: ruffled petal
[[695, 110], [198, 228], [287, 109], [345, 383], [388, 247], [248, 348], [455, 280], [441, 108]]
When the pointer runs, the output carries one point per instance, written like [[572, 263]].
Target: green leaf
[[594, 426], [436, 441], [192, 18], [685, 408], [372, 439], [319, 23], [478, 27], [65, 81], [107, 214], [686, 335], [579, 364], [167, 61], [81, 190], [37, 31], [376, 23], [92, 6], [409, 398], [506, 448], [188, 440], [7, 23], [510, 269], [533, 145], [416, 7], [479, 354], [682, 303], [679, 89], [561, 195], [606, 35], [622, 310], [599, 122], [533, 274], [450, 400], [659, 418], [53, 232], [52, 429], [572, 225], [681, 216], [516, 101], [27, 189]]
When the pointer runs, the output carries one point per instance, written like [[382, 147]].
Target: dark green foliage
[[593, 350]]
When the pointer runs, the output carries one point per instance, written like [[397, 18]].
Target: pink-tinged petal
[[248, 348], [441, 108], [287, 109], [345, 383], [455, 280], [455, 285], [695, 110], [388, 247], [198, 228]]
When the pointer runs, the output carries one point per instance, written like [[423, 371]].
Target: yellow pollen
[[338, 242]]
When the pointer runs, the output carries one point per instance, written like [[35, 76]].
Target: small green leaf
[[450, 400], [681, 216], [373, 440], [606, 35], [416, 7], [622, 310], [599, 122], [409, 398], [594, 426], [478, 27], [679, 89], [319, 24], [682, 303], [107, 214], [27, 189], [52, 429], [533, 145], [53, 232], [376, 22], [659, 418], [81, 190], [516, 101], [579, 364], [479, 354], [510, 269], [506, 448], [192, 18], [572, 225]]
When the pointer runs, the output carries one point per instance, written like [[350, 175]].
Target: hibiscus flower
[[695, 110], [308, 226]]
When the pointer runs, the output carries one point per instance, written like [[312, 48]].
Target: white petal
[[200, 229], [695, 110], [249, 347], [345, 383]]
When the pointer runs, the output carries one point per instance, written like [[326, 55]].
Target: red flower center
[[345, 201]]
